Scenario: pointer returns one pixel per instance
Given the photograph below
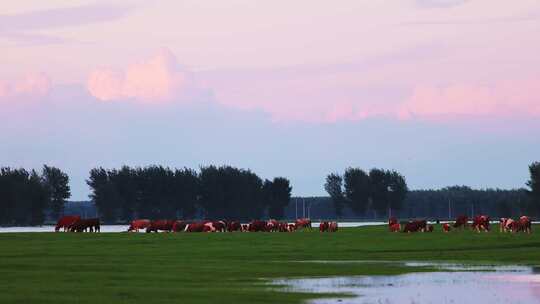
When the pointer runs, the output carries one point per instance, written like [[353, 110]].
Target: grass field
[[223, 267]]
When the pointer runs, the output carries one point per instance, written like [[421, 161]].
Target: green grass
[[223, 268]]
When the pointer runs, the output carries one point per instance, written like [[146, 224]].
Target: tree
[[103, 194], [56, 183], [278, 196], [398, 190], [380, 181], [357, 189], [334, 188], [534, 185]]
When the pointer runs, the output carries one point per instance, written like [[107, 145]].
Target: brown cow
[[481, 223], [303, 223], [462, 221], [163, 225], [82, 225], [396, 227], [323, 226], [66, 221], [135, 225], [234, 226], [415, 226], [446, 227], [332, 227]]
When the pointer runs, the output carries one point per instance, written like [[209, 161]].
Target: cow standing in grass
[[393, 225], [66, 221], [481, 223], [462, 222], [415, 226], [446, 227], [303, 223], [83, 225], [135, 225], [163, 225]]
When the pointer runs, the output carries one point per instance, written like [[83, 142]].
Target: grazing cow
[[524, 224], [135, 225], [332, 227], [258, 226], [179, 226], [163, 225], [272, 225], [446, 227], [245, 227], [234, 226], [415, 226], [429, 228], [396, 227], [195, 227], [82, 225], [291, 227], [323, 226], [66, 221], [462, 221], [481, 223], [303, 223], [503, 221], [391, 221], [219, 226]]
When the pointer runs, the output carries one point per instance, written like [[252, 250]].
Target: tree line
[[213, 192], [26, 196], [378, 190]]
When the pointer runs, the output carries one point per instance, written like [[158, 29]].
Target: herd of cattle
[[479, 223], [75, 223]]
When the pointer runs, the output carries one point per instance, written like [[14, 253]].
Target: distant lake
[[122, 228]]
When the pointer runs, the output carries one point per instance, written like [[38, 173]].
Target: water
[[121, 228], [508, 284]]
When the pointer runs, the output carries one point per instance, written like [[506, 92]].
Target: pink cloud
[[502, 100], [33, 85], [157, 79]]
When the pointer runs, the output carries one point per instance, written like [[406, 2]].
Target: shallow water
[[505, 284], [121, 228]]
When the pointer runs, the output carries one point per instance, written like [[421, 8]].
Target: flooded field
[[121, 228], [451, 284]]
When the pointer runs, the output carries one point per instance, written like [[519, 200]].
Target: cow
[[323, 226], [272, 225], [163, 225], [481, 223], [396, 227], [195, 227], [258, 226], [415, 226], [446, 227], [135, 225], [283, 227], [303, 223], [429, 228], [332, 227], [234, 226], [219, 226], [502, 224], [66, 221], [524, 224], [245, 228], [392, 220], [82, 225], [291, 227], [462, 221], [179, 226]]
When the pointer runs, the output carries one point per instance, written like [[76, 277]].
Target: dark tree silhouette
[[357, 189], [56, 183], [534, 186], [334, 188]]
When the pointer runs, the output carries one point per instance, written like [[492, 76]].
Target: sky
[[444, 91]]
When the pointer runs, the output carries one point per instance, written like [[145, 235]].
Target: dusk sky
[[445, 91]]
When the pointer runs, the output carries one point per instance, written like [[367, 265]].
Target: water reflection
[[503, 285]]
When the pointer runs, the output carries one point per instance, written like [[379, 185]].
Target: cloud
[[511, 99], [22, 27], [439, 3], [33, 85], [157, 79]]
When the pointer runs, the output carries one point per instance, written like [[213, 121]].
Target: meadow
[[225, 267]]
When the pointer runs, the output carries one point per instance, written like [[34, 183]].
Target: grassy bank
[[222, 268]]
